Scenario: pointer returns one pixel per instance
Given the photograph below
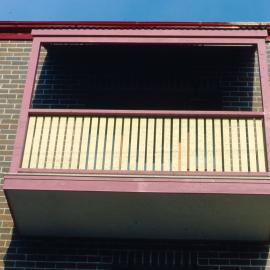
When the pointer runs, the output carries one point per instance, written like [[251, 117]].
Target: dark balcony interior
[[153, 77]]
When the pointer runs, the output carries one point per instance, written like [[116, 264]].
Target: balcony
[[143, 141]]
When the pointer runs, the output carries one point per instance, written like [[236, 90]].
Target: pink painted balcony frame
[[237, 37]]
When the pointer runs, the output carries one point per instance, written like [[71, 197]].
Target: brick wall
[[17, 252], [196, 78], [13, 67]]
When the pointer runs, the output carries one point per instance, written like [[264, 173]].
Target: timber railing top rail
[[144, 113]]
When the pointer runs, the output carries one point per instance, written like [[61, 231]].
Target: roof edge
[[128, 23], [22, 29]]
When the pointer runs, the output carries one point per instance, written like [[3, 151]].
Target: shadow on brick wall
[[148, 77], [112, 254]]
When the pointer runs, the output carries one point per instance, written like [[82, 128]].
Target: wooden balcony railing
[[204, 143]]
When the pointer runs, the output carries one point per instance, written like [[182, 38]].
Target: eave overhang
[[16, 30]]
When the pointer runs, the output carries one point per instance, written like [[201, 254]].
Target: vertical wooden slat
[[101, 143], [76, 144], [109, 144], [209, 145], [44, 142], [192, 145], [176, 146], [68, 143], [243, 145], [251, 146], [218, 145], [52, 141], [184, 145], [158, 146], [36, 143], [141, 156], [201, 145], [125, 143], [133, 144], [226, 145], [93, 142], [60, 143], [28, 142], [84, 143], [167, 145], [117, 143], [260, 145], [235, 146], [150, 145]]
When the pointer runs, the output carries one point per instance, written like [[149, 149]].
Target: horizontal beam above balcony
[[143, 113], [151, 33]]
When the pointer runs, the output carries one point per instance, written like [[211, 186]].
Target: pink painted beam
[[229, 33], [23, 120], [148, 40], [148, 185], [144, 113]]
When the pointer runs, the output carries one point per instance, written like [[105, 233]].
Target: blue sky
[[136, 10]]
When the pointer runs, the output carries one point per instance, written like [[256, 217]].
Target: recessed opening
[[148, 77]]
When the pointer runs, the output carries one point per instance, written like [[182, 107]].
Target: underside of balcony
[[140, 207]]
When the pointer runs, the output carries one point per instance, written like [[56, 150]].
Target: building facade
[[134, 145]]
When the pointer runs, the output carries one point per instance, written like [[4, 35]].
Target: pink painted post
[[26, 102], [265, 94]]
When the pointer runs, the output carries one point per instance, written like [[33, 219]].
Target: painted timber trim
[[263, 66], [151, 33], [143, 113], [128, 184]]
